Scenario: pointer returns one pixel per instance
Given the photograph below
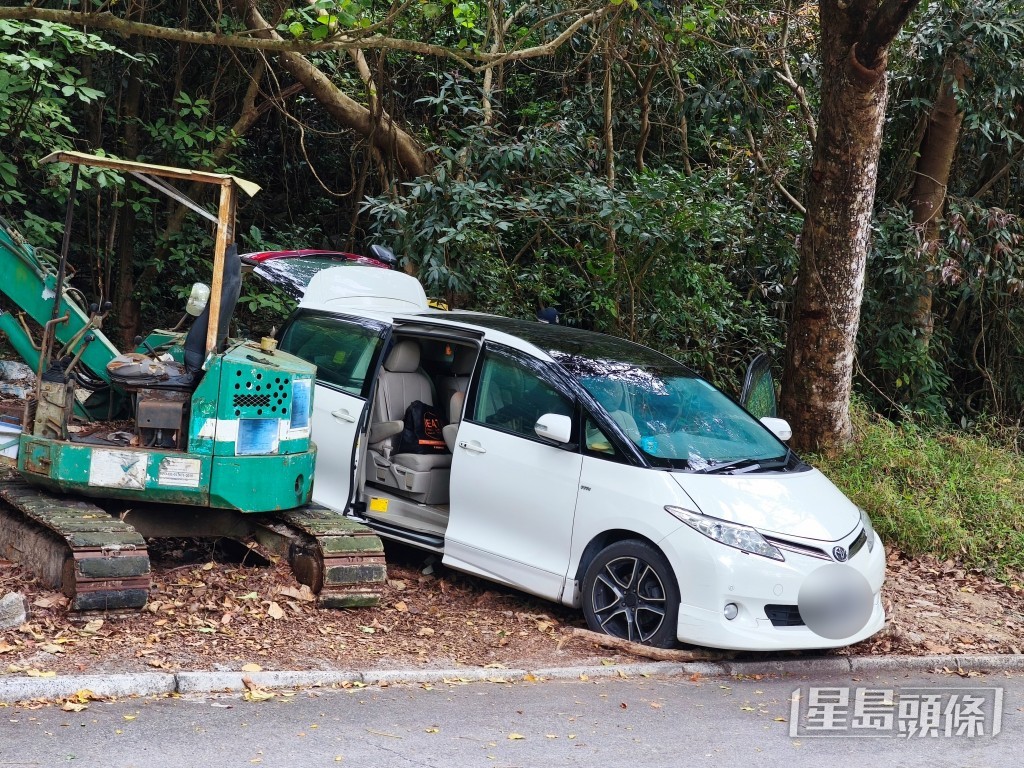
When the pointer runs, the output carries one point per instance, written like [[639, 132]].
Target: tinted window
[[344, 350], [294, 274], [512, 397], [596, 440]]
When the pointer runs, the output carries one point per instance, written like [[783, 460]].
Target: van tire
[[630, 592]]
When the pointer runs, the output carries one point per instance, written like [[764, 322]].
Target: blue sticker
[[256, 437], [301, 389]]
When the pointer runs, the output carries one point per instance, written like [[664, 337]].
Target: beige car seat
[[421, 476]]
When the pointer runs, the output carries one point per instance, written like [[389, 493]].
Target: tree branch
[[777, 183], [999, 174], [882, 28], [256, 40], [785, 76]]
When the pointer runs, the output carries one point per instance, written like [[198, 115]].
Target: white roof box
[[353, 287]]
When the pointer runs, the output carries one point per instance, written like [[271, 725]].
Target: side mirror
[[778, 427], [384, 254], [197, 299], [554, 427]]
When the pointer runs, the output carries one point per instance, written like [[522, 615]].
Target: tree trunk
[[126, 303], [818, 375], [931, 176]]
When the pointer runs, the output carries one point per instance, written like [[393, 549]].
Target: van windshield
[[675, 417]]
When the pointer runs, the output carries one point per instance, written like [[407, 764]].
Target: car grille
[[858, 543], [784, 615], [801, 549], [810, 551]]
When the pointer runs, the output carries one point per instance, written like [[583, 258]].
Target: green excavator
[[191, 434]]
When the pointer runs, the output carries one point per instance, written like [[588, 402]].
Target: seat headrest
[[404, 357], [455, 406], [462, 362]]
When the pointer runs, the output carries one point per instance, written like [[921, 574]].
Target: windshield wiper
[[747, 465]]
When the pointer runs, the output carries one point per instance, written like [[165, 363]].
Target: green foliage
[[188, 132], [988, 36], [982, 292], [952, 494], [691, 249], [971, 366], [511, 222], [906, 372], [39, 86], [320, 19]]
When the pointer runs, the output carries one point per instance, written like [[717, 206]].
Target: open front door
[[758, 394], [347, 352]]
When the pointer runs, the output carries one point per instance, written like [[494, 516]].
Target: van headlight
[[869, 530], [741, 537]]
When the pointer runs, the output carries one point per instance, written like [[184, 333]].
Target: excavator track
[[340, 560], [101, 562], [96, 560]]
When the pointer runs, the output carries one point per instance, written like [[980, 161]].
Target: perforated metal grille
[[243, 401], [262, 394]]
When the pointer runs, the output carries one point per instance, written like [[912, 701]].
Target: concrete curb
[[17, 688], [141, 684]]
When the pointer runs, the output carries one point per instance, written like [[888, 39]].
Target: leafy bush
[[952, 494], [509, 223], [906, 372]]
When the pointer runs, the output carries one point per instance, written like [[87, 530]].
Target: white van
[[578, 467]]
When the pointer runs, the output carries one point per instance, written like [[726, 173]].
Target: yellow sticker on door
[[378, 504]]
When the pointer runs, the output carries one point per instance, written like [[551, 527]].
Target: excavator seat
[[135, 370]]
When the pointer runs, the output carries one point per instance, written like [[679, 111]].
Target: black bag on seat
[[422, 432]]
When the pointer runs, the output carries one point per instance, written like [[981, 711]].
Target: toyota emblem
[[839, 554]]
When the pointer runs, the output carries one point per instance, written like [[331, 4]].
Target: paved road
[[610, 722]]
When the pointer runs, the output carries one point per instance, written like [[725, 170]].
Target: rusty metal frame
[[224, 219]]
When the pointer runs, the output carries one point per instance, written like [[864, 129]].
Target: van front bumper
[[764, 593]]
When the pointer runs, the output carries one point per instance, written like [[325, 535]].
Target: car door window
[[512, 397], [344, 350], [597, 441]]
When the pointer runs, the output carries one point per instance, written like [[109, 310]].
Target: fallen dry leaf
[[49, 601], [474, 624], [303, 593], [254, 692], [275, 611], [92, 627]]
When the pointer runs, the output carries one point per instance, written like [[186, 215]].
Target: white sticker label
[[183, 473], [118, 469]]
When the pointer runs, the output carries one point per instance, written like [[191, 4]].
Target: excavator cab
[[213, 422]]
